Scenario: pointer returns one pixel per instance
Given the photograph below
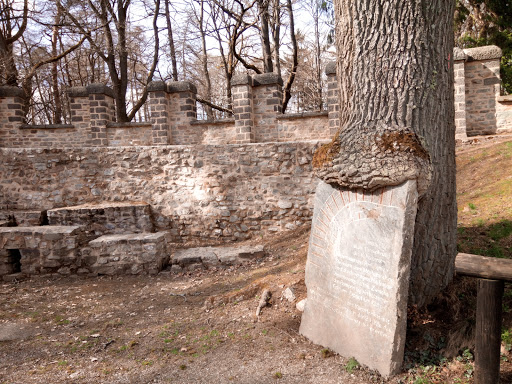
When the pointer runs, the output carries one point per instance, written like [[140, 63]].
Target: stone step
[[39, 249], [24, 218], [127, 254], [207, 257], [105, 218]]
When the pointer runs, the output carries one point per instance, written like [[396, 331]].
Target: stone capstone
[[267, 79], [459, 54], [488, 52], [180, 86], [330, 68], [242, 79], [9, 91]]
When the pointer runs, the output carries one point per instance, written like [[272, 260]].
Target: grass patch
[[352, 365], [500, 230]]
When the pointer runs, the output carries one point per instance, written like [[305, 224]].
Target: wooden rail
[[491, 273]]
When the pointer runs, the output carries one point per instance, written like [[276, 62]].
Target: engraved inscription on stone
[[357, 273]]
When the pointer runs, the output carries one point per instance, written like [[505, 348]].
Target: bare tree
[[13, 23], [113, 17], [228, 26]]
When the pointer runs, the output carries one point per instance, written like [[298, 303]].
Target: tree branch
[[22, 27], [211, 105], [52, 59], [245, 63]]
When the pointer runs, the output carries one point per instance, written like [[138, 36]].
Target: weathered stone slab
[[207, 257], [105, 218], [132, 253], [357, 273]]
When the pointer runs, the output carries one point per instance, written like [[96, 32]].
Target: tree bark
[[57, 114], [204, 62], [171, 42], [318, 54], [395, 71], [265, 36], [287, 95]]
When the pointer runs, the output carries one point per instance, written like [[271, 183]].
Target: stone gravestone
[[357, 273]]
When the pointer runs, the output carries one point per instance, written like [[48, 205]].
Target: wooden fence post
[[488, 331]]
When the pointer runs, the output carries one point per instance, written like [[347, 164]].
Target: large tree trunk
[[395, 72]]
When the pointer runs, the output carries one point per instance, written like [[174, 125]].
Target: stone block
[[42, 249], [357, 273], [25, 218], [128, 254], [106, 218], [214, 256]]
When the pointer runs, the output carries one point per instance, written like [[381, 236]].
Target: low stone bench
[[106, 218], [127, 254], [39, 250]]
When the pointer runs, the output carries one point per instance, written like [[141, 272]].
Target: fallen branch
[[179, 294], [265, 298]]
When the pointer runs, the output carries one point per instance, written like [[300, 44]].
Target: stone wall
[[308, 126], [479, 107], [127, 134], [257, 112], [504, 113], [211, 191], [216, 131], [257, 118]]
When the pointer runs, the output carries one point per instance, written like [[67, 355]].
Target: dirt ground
[[201, 327], [197, 327]]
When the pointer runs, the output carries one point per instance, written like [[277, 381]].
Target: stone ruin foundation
[[116, 238], [109, 239]]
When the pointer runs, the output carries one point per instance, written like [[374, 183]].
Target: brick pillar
[[333, 101], [11, 116], [101, 112], [92, 108], [242, 94], [79, 105], [267, 97], [159, 107], [182, 111], [459, 59], [482, 88]]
